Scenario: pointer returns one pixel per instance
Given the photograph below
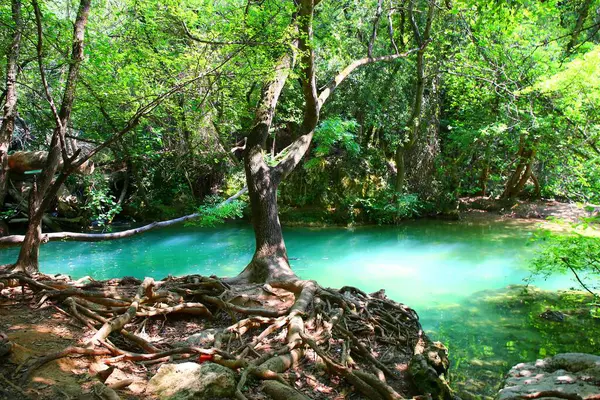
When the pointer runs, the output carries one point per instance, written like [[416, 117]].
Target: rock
[[192, 381], [569, 373], [5, 345], [67, 204], [428, 369], [204, 338], [555, 316]]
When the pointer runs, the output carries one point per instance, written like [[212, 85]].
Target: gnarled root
[[289, 339]]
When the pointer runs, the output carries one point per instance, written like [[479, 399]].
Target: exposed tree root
[[297, 338]]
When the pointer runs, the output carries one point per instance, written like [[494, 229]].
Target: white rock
[[568, 373], [192, 381]]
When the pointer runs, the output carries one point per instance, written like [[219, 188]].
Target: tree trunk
[[270, 261], [46, 189], [400, 169], [414, 123], [30, 249], [10, 106], [522, 173]]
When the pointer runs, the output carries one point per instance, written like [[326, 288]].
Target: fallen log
[[20, 162], [15, 240]]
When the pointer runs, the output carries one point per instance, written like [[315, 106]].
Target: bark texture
[[270, 261], [7, 127], [47, 187]]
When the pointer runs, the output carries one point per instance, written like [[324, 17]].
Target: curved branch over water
[[15, 240]]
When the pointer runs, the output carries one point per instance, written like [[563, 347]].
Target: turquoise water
[[422, 264], [445, 270]]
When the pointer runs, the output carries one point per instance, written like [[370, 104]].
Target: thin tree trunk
[[270, 260], [582, 15], [42, 193], [400, 169], [414, 124], [10, 106]]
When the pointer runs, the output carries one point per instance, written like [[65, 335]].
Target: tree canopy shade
[[159, 112], [177, 101]]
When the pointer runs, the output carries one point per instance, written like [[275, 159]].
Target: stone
[[192, 381], [569, 373], [428, 369], [555, 316], [204, 338]]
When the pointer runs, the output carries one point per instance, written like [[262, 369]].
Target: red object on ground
[[205, 358]]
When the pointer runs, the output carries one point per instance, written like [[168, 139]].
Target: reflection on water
[[435, 267]]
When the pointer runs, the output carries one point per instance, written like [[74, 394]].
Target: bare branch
[[375, 24], [39, 47], [339, 78]]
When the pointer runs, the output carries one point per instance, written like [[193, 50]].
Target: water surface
[[447, 271]]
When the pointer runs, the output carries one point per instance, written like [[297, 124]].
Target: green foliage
[[213, 212], [8, 214], [333, 132], [496, 73], [391, 209], [575, 254], [100, 205]]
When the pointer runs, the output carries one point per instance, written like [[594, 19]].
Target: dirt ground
[[38, 332], [38, 327], [535, 210]]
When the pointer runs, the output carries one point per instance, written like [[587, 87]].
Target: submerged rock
[[555, 316], [574, 374], [429, 368], [5, 344], [192, 381]]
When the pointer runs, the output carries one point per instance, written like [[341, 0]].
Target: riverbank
[[438, 267], [549, 212], [497, 329], [151, 339]]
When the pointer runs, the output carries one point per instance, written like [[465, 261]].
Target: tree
[[46, 188], [7, 126], [270, 260], [413, 127]]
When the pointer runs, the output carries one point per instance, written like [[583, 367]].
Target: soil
[[37, 327], [526, 209], [35, 332]]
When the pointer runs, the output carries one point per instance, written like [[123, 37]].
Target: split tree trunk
[[270, 261], [10, 106], [414, 125], [46, 189], [523, 170]]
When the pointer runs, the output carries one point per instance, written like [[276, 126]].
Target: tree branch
[[375, 24], [339, 78], [15, 240]]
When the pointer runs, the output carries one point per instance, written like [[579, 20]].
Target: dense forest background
[[484, 98]]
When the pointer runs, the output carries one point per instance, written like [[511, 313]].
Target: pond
[[453, 273]]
